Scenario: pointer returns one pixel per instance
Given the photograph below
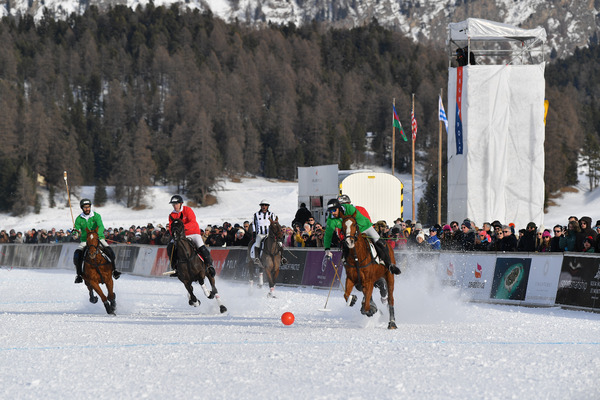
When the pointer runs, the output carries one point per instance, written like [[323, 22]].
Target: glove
[[328, 254]]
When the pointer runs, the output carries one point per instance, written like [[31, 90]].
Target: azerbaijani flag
[[397, 124]]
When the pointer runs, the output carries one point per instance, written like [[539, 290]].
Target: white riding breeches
[[372, 233], [259, 239], [83, 244], [196, 238]]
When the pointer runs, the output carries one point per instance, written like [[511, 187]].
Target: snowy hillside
[[238, 200]]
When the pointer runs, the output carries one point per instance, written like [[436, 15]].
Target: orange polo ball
[[287, 318]]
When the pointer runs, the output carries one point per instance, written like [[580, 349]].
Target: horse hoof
[[392, 325], [194, 303], [353, 301], [271, 295], [109, 308], [94, 300], [211, 295], [223, 309]]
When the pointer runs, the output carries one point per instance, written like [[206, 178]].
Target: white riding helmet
[[264, 202]]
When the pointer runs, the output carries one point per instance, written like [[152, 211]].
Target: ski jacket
[[91, 221], [189, 220]]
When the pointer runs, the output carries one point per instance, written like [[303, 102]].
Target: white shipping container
[[381, 194]]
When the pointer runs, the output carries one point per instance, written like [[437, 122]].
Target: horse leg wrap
[[260, 279], [205, 289]]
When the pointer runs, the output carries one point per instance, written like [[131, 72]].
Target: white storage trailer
[[381, 194]]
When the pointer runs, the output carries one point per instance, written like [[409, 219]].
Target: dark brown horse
[[190, 267], [363, 270], [97, 269], [270, 257]]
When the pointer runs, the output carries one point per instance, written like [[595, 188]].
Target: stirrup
[[78, 279], [256, 260], [283, 260], [116, 274]]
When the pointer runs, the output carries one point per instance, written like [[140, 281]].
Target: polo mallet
[[330, 287], [69, 198]]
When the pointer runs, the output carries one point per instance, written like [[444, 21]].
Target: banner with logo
[[478, 276], [579, 283], [511, 276], [543, 279], [320, 272]]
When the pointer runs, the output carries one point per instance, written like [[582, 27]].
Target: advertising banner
[[126, 256], [510, 278], [451, 269], [543, 279], [145, 260], [320, 272], [235, 265], [579, 283], [161, 262], [292, 272], [478, 276]]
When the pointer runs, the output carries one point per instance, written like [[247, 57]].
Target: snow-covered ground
[[56, 345]]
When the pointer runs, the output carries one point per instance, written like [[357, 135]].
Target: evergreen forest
[[134, 98]]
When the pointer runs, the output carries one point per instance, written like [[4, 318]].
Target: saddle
[[374, 253], [86, 251]]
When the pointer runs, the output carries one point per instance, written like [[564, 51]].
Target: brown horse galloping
[[271, 255], [97, 269], [363, 270]]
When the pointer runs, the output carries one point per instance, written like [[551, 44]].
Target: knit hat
[[447, 227], [546, 233], [467, 223], [421, 235], [418, 226]]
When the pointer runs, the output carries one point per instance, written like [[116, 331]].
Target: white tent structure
[[496, 127]]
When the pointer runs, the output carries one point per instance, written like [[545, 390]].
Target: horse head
[[275, 228], [177, 229], [92, 241], [350, 229]]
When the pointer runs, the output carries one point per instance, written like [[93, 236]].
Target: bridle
[[352, 239]]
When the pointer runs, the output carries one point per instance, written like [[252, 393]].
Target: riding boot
[[205, 254], [172, 258], [383, 253], [111, 255], [78, 261]]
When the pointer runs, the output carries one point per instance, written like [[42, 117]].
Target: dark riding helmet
[[344, 199], [176, 199], [333, 205], [85, 202]]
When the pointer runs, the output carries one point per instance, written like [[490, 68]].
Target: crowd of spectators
[[577, 236]]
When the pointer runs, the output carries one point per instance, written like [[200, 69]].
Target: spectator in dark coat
[[527, 242], [468, 236], [555, 241], [585, 223], [302, 215], [242, 238], [509, 241]]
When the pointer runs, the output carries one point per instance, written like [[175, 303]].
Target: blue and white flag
[[443, 114]]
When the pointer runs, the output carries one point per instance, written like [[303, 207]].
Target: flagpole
[[413, 162], [393, 137], [439, 200]]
